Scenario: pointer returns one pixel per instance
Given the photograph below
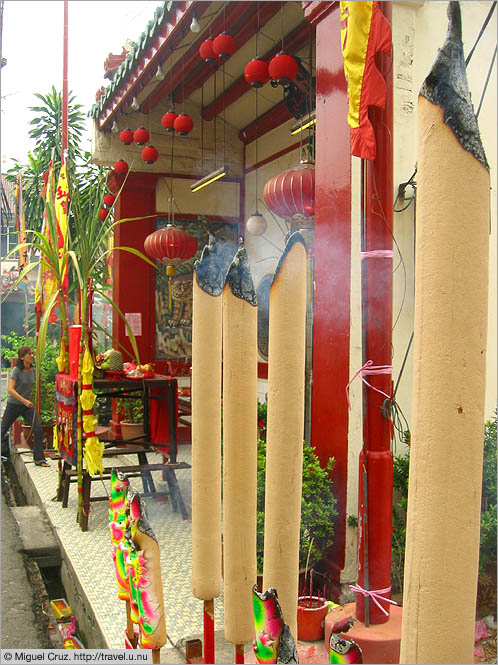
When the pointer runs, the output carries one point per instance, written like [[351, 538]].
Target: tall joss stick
[[444, 498], [209, 279], [239, 451], [285, 427]]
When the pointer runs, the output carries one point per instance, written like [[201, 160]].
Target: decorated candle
[[285, 427], [145, 577], [239, 448], [450, 326]]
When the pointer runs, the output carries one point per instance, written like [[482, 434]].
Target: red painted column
[[376, 462], [134, 280], [331, 325]]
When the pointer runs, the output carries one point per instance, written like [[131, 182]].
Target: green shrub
[[132, 409], [318, 507], [487, 550]]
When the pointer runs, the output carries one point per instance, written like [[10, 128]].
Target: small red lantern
[[121, 167], [149, 154], [256, 72], [206, 50], [126, 136], [109, 200], [283, 68], [141, 135], [171, 246], [168, 121], [103, 214], [224, 45], [291, 194], [183, 124]]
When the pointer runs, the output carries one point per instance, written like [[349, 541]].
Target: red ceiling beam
[[275, 117], [242, 30], [294, 41], [171, 33], [191, 60]]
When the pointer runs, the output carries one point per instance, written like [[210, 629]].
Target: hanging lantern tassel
[[170, 272]]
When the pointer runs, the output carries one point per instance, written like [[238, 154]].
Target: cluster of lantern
[[282, 69], [108, 203], [181, 123], [140, 136], [222, 46]]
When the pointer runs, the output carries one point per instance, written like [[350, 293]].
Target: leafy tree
[[46, 132]]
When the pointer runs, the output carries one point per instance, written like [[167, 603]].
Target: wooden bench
[[142, 469], [71, 476]]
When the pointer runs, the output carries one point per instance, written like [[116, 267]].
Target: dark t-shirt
[[24, 384]]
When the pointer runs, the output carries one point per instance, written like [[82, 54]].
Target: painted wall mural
[[174, 328]]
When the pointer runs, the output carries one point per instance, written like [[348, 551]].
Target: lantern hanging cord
[[256, 171], [202, 130], [282, 22], [224, 122], [171, 213]]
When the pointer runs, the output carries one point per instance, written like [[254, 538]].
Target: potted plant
[[317, 512], [132, 412]]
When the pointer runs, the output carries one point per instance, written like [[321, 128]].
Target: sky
[[32, 43]]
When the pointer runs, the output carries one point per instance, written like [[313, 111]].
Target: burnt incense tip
[[211, 269], [292, 240], [447, 86], [239, 277]]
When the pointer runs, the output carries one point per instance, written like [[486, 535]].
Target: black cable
[[486, 83], [486, 21]]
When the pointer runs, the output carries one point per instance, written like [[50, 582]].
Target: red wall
[[133, 279]]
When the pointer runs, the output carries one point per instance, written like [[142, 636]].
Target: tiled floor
[[90, 552]]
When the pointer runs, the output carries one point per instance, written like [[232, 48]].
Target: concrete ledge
[[37, 537], [88, 627]]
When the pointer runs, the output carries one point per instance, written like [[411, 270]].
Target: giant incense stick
[[208, 284], [239, 451], [444, 499], [285, 428]]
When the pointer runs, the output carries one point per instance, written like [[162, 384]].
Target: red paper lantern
[[283, 68], [183, 124], [149, 154], [103, 214], [224, 45], [168, 121], [206, 50], [256, 72], [109, 200], [126, 136], [170, 245], [141, 135], [291, 194], [121, 167]]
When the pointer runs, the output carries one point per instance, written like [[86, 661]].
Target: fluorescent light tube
[[208, 179]]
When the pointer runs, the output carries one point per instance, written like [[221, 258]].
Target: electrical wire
[[486, 82], [486, 21]]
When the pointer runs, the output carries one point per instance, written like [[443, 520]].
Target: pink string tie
[[375, 595], [367, 369], [377, 254]]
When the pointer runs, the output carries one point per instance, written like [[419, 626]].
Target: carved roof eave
[[162, 35]]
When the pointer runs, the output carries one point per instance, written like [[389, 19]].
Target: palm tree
[[46, 132]]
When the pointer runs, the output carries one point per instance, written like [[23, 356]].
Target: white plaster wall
[[419, 29]]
